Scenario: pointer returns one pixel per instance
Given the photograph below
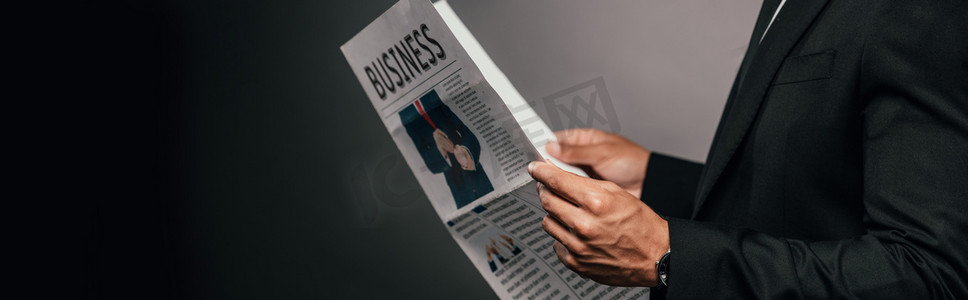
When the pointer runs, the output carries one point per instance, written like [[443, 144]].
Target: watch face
[[663, 269]]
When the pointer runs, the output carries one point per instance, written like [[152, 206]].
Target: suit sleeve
[[670, 185], [915, 147]]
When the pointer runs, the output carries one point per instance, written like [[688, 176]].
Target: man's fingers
[[560, 209], [569, 186], [562, 234], [583, 146], [566, 257], [582, 136], [588, 155]]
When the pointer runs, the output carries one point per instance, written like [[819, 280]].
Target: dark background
[[211, 145]]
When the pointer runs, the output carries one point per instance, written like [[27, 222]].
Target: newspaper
[[468, 136]]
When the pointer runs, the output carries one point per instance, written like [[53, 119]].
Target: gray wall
[[277, 179], [667, 65]]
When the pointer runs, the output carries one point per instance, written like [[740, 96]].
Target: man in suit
[[447, 146], [839, 169]]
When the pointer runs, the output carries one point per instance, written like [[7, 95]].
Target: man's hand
[[604, 156], [490, 251], [444, 145], [464, 158], [602, 232]]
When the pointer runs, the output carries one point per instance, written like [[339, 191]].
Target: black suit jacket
[[840, 166]]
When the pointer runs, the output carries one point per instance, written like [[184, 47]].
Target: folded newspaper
[[468, 136]]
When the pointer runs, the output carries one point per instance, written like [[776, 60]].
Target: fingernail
[[531, 167], [553, 148]]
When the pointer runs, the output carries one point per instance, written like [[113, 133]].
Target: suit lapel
[[766, 11], [752, 85]]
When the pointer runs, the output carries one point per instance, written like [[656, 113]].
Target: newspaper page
[[468, 136]]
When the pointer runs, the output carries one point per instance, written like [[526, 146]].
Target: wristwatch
[[662, 267]]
